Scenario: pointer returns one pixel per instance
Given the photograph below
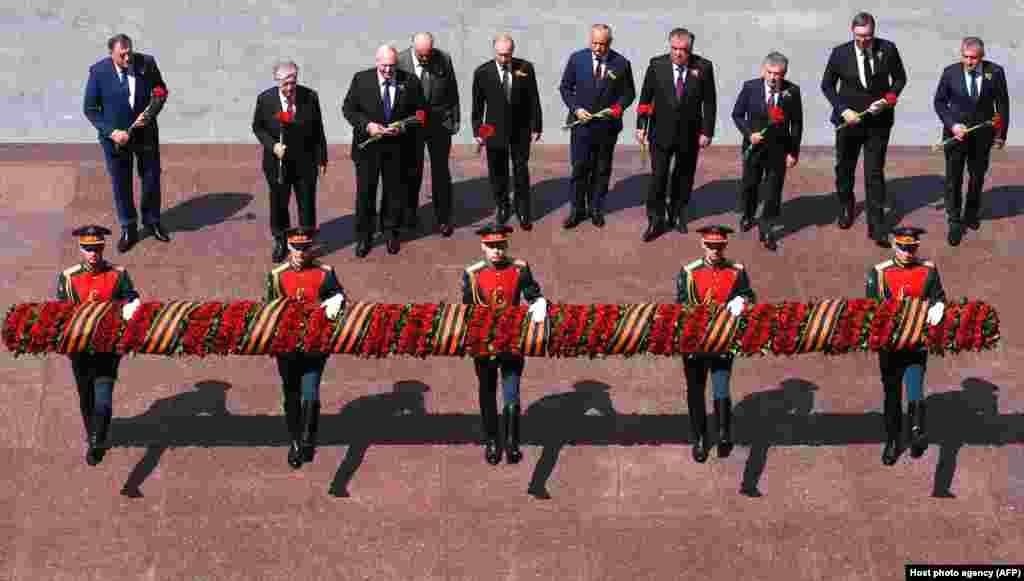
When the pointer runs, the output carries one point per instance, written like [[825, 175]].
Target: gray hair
[[505, 36], [426, 35], [863, 19], [603, 28], [681, 32], [285, 66], [973, 42], [776, 58]]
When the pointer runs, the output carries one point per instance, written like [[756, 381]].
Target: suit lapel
[[668, 74], [962, 75]]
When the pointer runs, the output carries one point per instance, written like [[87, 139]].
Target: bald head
[[423, 46], [387, 56]]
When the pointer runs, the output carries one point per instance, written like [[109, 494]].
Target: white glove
[[128, 310], [539, 310], [333, 305], [935, 313], [736, 305]]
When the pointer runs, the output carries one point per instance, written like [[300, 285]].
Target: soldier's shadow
[[770, 416], [207, 398], [954, 418], [561, 419], [360, 415]]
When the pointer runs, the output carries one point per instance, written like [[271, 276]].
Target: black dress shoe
[[972, 223], [882, 242], [746, 224], [956, 234], [295, 455], [129, 238], [158, 232], [575, 219], [362, 248], [769, 243], [504, 213], [280, 252], [597, 217], [654, 229], [447, 230], [525, 224], [700, 450], [393, 244], [891, 452], [492, 452], [845, 215]]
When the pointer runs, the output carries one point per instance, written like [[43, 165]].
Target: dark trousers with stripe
[[511, 368], [95, 375], [697, 367], [899, 368]]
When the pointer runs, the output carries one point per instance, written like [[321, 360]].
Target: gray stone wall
[[216, 54]]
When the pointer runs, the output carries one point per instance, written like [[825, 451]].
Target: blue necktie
[[972, 90], [387, 100]]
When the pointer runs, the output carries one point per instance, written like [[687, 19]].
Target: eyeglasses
[[906, 247], [91, 247], [301, 247]]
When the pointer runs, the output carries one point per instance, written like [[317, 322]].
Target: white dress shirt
[[677, 71], [285, 103], [131, 84], [770, 98]]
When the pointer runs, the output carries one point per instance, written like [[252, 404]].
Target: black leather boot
[[918, 436], [492, 446], [310, 421], [98, 440], [893, 423], [512, 414], [699, 425], [723, 412], [293, 416]]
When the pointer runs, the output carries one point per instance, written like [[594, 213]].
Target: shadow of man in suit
[[359, 418], [207, 398], [771, 417], [559, 419], [968, 415], [209, 209]]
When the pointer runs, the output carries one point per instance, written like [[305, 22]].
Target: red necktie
[[679, 83]]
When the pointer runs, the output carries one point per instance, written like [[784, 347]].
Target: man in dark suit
[[376, 98], [595, 79], [505, 97], [117, 95], [293, 162], [771, 144], [970, 93], [681, 86], [433, 67], [865, 69]]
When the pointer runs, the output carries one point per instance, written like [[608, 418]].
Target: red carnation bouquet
[[890, 102], [776, 116], [486, 131], [613, 112], [420, 118], [996, 122]]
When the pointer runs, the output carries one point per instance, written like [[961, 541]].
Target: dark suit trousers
[[511, 368], [768, 165], [697, 367], [497, 170], [682, 179], [119, 166], [974, 152], [592, 167], [377, 161], [438, 142], [875, 142], [95, 374], [304, 183]]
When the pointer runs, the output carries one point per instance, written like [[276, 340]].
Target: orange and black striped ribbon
[[720, 332], [81, 326], [350, 328], [820, 325], [630, 328], [448, 340], [263, 325], [915, 314], [165, 325]]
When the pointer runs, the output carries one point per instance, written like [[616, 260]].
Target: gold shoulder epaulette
[[280, 268], [693, 265], [325, 267], [476, 266], [72, 270], [520, 262], [928, 263], [736, 265], [884, 265]]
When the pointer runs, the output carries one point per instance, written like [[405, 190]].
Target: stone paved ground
[[197, 486]]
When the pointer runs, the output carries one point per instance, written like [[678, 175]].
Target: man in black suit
[[293, 162], [433, 67], [376, 98], [681, 86], [120, 104], [769, 113], [866, 70], [970, 93], [595, 79], [505, 97]]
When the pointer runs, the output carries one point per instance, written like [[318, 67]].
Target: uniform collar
[[722, 264], [912, 262], [101, 266]]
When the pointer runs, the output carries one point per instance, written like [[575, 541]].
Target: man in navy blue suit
[[595, 79], [119, 90], [773, 141], [970, 93]]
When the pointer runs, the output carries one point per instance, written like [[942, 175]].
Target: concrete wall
[[216, 54]]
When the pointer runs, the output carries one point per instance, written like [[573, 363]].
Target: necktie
[[680, 71], [598, 72], [123, 76], [387, 100], [972, 90], [425, 81], [506, 85], [867, 68], [291, 106]]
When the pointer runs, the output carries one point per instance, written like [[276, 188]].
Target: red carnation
[[284, 117], [776, 114], [159, 91], [616, 110], [421, 116], [997, 121], [890, 98], [486, 130], [644, 109]]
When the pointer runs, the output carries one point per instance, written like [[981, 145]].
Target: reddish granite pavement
[[200, 444]]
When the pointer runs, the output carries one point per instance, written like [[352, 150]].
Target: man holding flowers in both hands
[[712, 280], [597, 87], [870, 77], [905, 276], [95, 279], [290, 126], [303, 278], [380, 104], [973, 104], [500, 281], [769, 114]]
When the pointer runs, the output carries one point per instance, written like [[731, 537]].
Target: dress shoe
[[575, 219], [447, 230], [956, 234], [363, 248], [524, 222], [597, 217], [891, 452], [746, 224], [681, 222], [845, 215], [654, 229], [295, 455], [158, 232], [504, 213], [700, 450], [492, 452], [768, 241], [280, 252], [972, 222], [129, 237], [393, 244]]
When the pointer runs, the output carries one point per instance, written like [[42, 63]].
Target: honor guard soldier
[[496, 281], [905, 276], [303, 278], [712, 280], [95, 279]]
